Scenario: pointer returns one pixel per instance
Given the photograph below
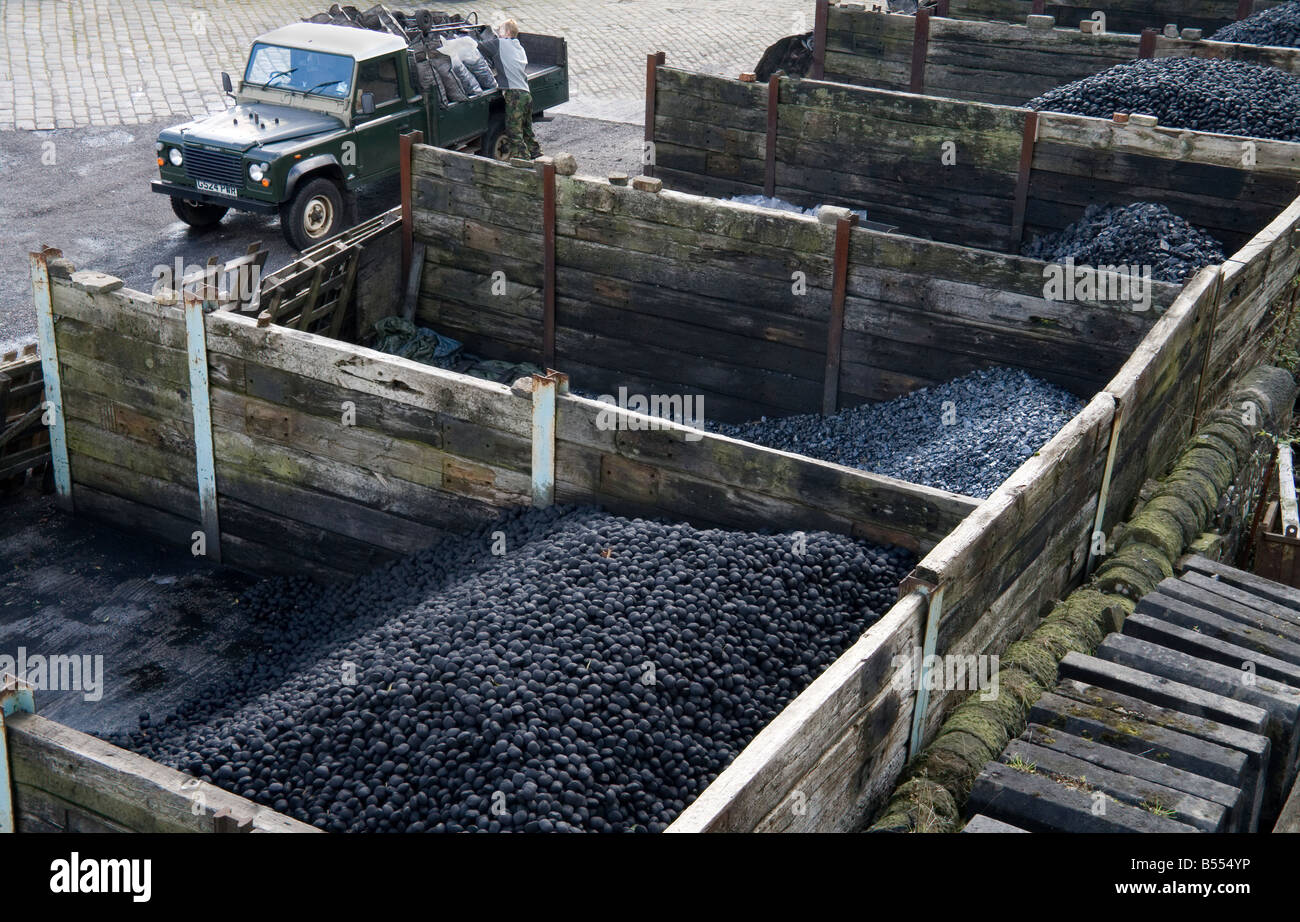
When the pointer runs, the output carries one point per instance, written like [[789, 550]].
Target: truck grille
[[213, 166]]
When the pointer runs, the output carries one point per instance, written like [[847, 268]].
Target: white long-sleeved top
[[514, 62]]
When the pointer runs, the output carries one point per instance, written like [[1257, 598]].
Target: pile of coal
[[1201, 94], [1140, 234], [1277, 26], [966, 436], [559, 670]]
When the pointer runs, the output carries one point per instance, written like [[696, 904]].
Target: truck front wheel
[[197, 214], [315, 213]]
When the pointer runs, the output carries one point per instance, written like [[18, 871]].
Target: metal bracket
[[1099, 520], [204, 454], [44, 298], [15, 698], [934, 613], [545, 388]]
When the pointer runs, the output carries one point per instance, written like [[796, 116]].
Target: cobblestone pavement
[[76, 63]]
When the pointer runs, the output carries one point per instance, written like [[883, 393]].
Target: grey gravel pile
[[999, 417], [597, 676], [1277, 26], [1141, 234], [1201, 94]]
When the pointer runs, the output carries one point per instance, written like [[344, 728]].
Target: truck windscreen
[[303, 71]]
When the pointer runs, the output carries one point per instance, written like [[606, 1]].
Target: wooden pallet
[[24, 440], [315, 292]]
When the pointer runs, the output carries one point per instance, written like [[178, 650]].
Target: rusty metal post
[[408, 141], [835, 326], [652, 64], [1147, 44], [548, 264], [920, 49], [1026, 166], [818, 69], [773, 104]]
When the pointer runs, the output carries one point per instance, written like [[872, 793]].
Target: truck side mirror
[[226, 85], [367, 103]]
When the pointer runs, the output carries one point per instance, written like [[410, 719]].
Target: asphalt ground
[[86, 192]]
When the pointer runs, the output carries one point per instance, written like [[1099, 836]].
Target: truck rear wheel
[[315, 213], [197, 214], [494, 141]]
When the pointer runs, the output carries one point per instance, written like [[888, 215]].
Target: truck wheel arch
[[323, 164]]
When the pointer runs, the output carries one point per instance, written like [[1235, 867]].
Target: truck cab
[[317, 113]]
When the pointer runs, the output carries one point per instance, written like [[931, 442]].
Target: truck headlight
[[256, 171], [174, 155]]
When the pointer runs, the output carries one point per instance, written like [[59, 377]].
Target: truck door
[[377, 134]]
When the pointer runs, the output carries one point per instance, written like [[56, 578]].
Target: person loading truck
[[520, 141]]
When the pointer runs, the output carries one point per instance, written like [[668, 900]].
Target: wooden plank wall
[[999, 62], [330, 459], [1121, 15], [680, 294], [827, 762], [886, 148], [67, 781], [1203, 178], [834, 148]]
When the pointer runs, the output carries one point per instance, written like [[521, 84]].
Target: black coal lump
[[1279, 26], [1138, 234], [1201, 94], [966, 435], [596, 676]]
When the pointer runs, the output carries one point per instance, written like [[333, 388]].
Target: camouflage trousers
[[520, 141]]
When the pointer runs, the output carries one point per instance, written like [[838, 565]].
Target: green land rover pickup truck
[[318, 114]]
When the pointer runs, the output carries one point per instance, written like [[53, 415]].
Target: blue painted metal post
[[933, 614], [15, 697], [545, 389], [204, 455], [1099, 521], [50, 372]]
